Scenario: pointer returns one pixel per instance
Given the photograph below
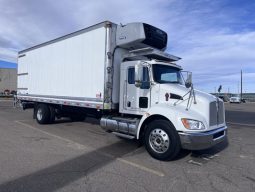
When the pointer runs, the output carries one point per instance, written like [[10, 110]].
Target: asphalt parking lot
[[80, 156]]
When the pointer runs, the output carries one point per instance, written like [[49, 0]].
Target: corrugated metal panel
[[213, 114], [73, 67]]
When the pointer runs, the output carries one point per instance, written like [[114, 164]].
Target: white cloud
[[8, 55], [201, 31], [216, 58], [29, 22]]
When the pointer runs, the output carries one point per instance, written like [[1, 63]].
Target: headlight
[[193, 124]]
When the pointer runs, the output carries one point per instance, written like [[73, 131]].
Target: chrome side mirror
[[138, 75], [142, 77], [188, 82]]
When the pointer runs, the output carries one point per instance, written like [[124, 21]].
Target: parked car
[[235, 100], [224, 98], [6, 92]]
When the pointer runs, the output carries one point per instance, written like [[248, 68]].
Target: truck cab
[[141, 82], [161, 107]]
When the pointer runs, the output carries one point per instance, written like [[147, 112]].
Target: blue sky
[[215, 39], [6, 64]]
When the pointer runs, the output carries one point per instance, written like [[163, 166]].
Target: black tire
[[162, 140], [52, 114], [42, 114]]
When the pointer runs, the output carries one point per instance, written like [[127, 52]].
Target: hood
[[204, 104], [175, 90]]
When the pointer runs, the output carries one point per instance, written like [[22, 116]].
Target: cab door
[[137, 89]]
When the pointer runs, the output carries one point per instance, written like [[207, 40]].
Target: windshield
[[166, 74]]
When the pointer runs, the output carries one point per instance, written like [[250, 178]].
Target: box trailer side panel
[[70, 68]]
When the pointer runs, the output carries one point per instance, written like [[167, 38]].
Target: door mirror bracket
[[138, 83]]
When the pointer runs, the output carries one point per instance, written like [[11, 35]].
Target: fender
[[172, 113]]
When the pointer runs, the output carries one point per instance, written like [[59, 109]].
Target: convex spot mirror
[[187, 75]]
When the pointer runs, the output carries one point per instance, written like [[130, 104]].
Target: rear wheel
[[162, 140], [42, 114], [52, 114]]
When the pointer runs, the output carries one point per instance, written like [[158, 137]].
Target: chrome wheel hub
[[159, 140], [39, 114]]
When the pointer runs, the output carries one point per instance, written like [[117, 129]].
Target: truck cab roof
[[150, 53], [154, 62]]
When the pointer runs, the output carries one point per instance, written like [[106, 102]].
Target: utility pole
[[238, 91], [241, 84]]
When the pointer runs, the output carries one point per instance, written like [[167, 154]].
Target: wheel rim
[[39, 114], [159, 140]]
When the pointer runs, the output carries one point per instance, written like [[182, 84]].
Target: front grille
[[213, 113], [221, 113], [216, 113]]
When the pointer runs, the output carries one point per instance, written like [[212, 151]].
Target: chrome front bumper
[[202, 140]]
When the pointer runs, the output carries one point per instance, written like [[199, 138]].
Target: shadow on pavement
[[206, 152], [57, 176], [89, 120], [211, 151]]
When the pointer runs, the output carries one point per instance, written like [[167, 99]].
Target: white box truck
[[121, 75]]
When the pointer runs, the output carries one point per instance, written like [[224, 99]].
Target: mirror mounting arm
[[138, 83]]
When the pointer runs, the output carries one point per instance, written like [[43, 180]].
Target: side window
[[131, 75], [169, 77]]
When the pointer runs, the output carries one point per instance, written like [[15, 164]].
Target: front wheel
[[162, 140]]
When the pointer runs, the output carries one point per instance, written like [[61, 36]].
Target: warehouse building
[[8, 80]]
